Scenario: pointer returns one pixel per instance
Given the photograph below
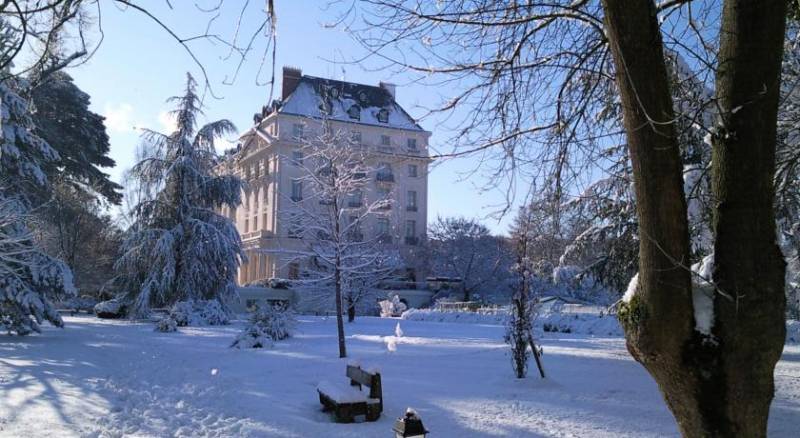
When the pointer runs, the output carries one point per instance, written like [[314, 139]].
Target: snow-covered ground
[[115, 378]]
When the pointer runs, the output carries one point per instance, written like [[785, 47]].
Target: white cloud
[[119, 117], [168, 122]]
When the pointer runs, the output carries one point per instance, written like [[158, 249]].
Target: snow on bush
[[496, 316], [199, 312], [580, 323], [166, 325], [266, 325], [110, 309], [553, 322], [392, 308], [78, 304]]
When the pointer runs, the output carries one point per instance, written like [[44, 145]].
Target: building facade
[[268, 153]]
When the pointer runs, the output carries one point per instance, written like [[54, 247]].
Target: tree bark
[[337, 278], [722, 384], [351, 310], [749, 266]]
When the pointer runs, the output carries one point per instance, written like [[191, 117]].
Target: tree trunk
[[717, 385], [337, 278], [748, 263], [351, 310]]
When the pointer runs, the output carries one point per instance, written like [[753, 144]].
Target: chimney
[[291, 77], [391, 88]]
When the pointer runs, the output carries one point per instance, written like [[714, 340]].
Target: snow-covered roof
[[347, 102]]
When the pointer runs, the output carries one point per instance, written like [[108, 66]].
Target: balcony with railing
[[384, 176], [258, 234]]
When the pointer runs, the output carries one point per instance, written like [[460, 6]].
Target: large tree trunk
[[717, 385], [749, 266]]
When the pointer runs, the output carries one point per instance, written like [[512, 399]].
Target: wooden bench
[[348, 400]]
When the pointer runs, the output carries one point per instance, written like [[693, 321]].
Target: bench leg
[[373, 412], [344, 414]]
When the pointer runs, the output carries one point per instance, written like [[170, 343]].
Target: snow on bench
[[342, 392], [348, 400]]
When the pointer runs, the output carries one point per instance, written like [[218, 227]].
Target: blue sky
[[138, 66]]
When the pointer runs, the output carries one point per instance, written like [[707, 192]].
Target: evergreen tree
[[63, 119], [28, 277], [179, 247]]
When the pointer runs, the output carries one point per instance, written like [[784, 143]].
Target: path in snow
[[113, 378]]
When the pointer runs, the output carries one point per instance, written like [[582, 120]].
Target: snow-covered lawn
[[115, 378]]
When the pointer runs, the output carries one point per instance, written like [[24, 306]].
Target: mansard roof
[[347, 102]]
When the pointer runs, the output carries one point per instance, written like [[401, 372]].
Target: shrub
[[200, 312], [111, 309], [266, 325], [166, 325]]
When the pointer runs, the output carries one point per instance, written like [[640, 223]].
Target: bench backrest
[[361, 377]]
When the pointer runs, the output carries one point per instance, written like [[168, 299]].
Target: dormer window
[[354, 112], [383, 115], [325, 107]]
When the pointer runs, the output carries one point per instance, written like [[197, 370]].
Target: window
[[255, 201], [297, 131], [383, 115], [411, 201], [385, 172], [354, 199], [354, 112], [411, 232], [386, 140], [294, 271], [255, 223], [297, 190], [355, 137], [411, 143], [383, 227], [411, 228], [412, 170], [246, 225], [256, 170], [297, 158], [355, 230]]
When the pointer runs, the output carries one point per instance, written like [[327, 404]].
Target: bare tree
[[519, 330], [464, 248], [548, 84], [64, 33], [331, 210]]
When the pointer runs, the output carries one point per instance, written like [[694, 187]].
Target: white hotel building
[[265, 161]]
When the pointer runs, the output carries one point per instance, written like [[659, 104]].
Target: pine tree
[[179, 247], [29, 279], [63, 119]]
